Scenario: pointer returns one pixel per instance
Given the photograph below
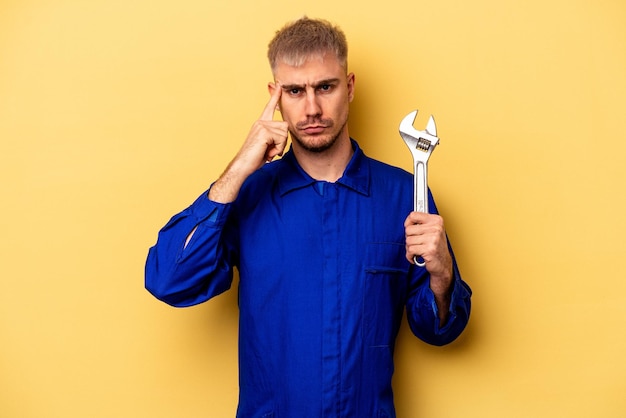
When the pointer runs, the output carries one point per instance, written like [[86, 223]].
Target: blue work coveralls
[[323, 283]]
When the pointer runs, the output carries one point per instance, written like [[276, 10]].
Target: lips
[[313, 130], [314, 126]]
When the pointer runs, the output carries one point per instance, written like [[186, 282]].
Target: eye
[[326, 87], [295, 91]]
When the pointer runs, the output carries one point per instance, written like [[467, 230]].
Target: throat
[[327, 166]]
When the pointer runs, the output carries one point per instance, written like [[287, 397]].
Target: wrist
[[226, 187], [441, 284]]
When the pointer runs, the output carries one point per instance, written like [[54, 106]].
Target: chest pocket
[[385, 292]]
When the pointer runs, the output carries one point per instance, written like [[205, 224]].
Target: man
[[323, 240]]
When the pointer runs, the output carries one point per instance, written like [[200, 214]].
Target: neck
[[328, 165]]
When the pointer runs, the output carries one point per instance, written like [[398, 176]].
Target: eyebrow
[[287, 87]]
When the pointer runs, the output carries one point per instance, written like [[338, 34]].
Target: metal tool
[[421, 144]]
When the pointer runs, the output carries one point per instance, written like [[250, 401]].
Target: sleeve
[[423, 314], [422, 311], [182, 275]]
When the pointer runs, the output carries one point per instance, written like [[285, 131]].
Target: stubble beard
[[322, 143]]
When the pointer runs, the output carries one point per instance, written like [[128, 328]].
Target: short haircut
[[299, 40]]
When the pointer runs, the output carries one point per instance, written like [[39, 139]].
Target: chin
[[316, 144]]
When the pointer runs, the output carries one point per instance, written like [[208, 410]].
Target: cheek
[[288, 115], [284, 110], [343, 109], [292, 111]]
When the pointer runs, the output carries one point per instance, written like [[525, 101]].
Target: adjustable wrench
[[421, 144]]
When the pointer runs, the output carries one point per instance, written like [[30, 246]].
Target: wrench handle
[[420, 196], [420, 188]]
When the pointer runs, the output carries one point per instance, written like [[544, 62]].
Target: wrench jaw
[[419, 142]]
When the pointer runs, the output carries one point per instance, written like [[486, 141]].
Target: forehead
[[313, 69]]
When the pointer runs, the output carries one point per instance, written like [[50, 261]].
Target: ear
[[351, 82]]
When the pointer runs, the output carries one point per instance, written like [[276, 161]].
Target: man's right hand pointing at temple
[[266, 140]]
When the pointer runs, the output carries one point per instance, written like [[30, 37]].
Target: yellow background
[[116, 114]]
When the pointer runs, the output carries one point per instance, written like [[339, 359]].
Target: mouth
[[314, 126], [313, 130]]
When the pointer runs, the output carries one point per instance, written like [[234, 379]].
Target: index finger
[[414, 218], [268, 112]]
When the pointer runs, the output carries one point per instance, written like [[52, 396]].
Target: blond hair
[[299, 40]]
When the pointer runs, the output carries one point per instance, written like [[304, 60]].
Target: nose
[[313, 107]]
